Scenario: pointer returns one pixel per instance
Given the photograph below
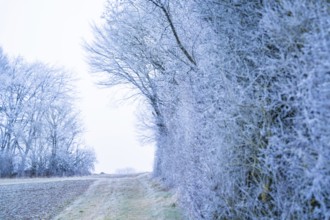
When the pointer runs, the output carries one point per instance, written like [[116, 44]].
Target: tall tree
[[239, 94], [39, 128]]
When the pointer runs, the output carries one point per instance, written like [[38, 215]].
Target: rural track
[[133, 197]]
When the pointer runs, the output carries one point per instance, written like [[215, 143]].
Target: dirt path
[[126, 198]]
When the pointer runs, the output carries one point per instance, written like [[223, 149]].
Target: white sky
[[52, 31]]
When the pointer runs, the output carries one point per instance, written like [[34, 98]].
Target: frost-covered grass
[[128, 197]]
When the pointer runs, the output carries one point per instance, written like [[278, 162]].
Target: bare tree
[[239, 94], [38, 126]]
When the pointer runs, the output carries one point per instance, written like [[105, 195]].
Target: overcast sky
[[52, 31]]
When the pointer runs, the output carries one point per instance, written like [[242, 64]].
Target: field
[[93, 197]]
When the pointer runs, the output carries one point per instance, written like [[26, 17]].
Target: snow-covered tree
[[38, 124], [241, 91]]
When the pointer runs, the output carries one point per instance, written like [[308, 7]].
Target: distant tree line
[[238, 97], [40, 131]]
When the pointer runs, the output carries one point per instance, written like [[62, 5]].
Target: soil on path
[[123, 198]]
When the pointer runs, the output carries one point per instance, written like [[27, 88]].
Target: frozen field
[[38, 198]]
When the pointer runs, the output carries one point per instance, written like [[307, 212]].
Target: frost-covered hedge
[[239, 93]]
